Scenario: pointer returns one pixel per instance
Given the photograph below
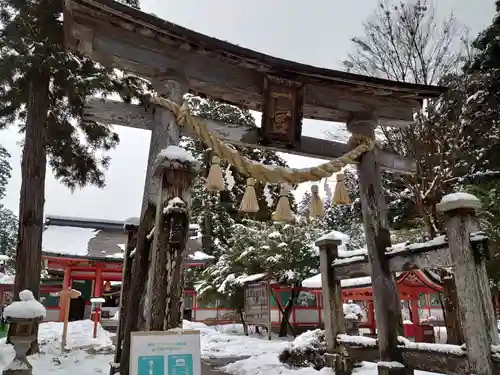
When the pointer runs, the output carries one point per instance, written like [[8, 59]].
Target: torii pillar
[[164, 132], [376, 226]]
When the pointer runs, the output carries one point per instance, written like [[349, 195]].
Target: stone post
[[175, 170], [164, 132], [333, 312], [130, 227], [474, 296], [374, 209]]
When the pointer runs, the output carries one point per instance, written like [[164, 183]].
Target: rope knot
[[182, 113], [358, 140]]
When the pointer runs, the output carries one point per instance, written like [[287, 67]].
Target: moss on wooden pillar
[[175, 169]]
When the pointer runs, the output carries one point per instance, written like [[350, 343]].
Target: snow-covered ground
[[82, 357], [88, 356], [229, 341]]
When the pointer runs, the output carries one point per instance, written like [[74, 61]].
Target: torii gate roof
[[123, 37]]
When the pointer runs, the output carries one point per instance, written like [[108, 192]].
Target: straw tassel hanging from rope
[[249, 202], [283, 211], [317, 209], [215, 180], [340, 194]]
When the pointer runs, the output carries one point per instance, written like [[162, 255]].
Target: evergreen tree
[[487, 47], [43, 88], [8, 221], [483, 100], [346, 218], [489, 216], [287, 250], [304, 205], [8, 231], [5, 170]]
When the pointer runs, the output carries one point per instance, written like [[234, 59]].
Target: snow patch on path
[[227, 341], [269, 364]]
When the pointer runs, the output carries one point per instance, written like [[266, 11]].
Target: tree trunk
[[454, 330], [207, 240], [285, 319], [242, 317], [32, 196]]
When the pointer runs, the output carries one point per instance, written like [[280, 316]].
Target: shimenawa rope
[[260, 172]]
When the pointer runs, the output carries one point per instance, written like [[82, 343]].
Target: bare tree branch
[[406, 42]]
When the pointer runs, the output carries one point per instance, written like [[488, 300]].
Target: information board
[[165, 353], [257, 304]]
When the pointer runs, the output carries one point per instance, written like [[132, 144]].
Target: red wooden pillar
[[66, 285], [415, 316], [371, 317], [319, 304], [98, 281]]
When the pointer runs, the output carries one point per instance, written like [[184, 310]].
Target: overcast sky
[[315, 32]]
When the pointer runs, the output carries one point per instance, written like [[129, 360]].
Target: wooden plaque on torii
[[282, 112]]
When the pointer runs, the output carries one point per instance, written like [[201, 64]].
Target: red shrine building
[[420, 292], [87, 255]]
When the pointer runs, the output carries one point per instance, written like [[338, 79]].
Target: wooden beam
[[351, 270], [222, 78], [424, 257], [115, 112], [418, 359], [135, 116]]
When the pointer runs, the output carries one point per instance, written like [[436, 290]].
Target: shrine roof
[[120, 36], [81, 222], [199, 259], [82, 258], [415, 278], [97, 239], [76, 236]]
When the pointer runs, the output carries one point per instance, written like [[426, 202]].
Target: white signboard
[[165, 353]]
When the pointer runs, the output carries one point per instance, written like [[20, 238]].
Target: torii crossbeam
[[135, 116]]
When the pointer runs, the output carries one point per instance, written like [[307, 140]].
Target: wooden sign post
[[65, 297]]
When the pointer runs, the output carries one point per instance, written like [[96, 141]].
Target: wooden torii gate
[[178, 60]]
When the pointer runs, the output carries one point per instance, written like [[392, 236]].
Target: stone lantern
[[23, 317], [352, 316]]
